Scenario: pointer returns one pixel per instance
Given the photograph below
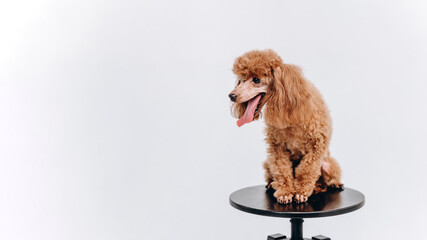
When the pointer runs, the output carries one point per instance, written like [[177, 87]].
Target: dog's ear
[[278, 99], [289, 94]]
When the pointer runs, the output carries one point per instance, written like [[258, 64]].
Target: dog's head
[[263, 79]]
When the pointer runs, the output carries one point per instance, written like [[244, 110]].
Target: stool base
[[296, 232]]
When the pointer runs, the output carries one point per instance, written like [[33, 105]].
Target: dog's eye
[[256, 80]]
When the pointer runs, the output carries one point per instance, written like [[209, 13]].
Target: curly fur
[[298, 127]]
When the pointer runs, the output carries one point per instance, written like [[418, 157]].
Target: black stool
[[258, 200]]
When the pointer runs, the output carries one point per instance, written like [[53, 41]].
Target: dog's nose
[[232, 97]]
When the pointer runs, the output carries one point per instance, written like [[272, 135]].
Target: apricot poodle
[[298, 125]]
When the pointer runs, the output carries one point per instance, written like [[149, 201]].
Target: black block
[[276, 236], [320, 237]]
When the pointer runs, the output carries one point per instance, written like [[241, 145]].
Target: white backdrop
[[115, 121]]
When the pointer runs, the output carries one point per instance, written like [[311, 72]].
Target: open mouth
[[252, 108], [259, 103]]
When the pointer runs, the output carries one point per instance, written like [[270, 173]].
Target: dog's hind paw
[[336, 187]]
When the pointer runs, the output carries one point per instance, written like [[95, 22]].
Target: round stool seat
[[259, 200]]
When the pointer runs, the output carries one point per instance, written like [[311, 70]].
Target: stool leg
[[277, 236], [296, 229]]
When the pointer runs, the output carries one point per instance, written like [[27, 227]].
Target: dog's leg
[[268, 177], [308, 172], [279, 169], [331, 173]]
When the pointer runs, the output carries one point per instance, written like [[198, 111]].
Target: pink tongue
[[248, 116]]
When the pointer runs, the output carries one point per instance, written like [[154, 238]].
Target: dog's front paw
[[284, 199], [301, 198], [302, 191], [283, 196]]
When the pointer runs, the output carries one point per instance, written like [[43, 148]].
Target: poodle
[[298, 125]]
